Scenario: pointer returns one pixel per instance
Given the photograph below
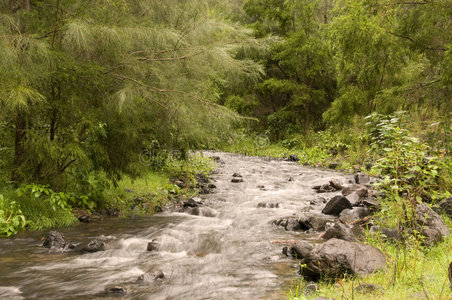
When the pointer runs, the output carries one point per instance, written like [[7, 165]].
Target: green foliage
[[44, 193], [11, 218]]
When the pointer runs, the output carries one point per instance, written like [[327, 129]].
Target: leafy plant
[[11, 218], [55, 200]]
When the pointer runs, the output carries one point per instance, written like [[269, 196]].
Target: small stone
[[117, 290], [85, 219], [366, 288], [152, 246], [54, 240], [336, 184], [293, 157], [236, 180], [94, 246], [310, 288], [236, 175], [333, 165]]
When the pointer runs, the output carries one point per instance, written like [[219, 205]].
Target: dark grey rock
[[201, 211], [269, 204], [151, 277], [55, 241], [85, 218], [336, 258], [333, 165], [212, 186], [236, 175], [362, 192], [293, 157], [336, 184], [201, 178], [153, 246], [94, 246], [290, 224], [192, 203], [336, 205], [236, 180], [117, 290]]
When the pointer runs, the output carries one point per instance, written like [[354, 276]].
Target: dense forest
[[100, 96]]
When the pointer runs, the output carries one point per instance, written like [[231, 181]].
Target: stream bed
[[234, 255]]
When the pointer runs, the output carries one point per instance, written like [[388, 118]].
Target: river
[[234, 255]]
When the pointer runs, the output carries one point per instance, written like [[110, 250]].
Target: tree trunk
[[19, 149], [26, 5]]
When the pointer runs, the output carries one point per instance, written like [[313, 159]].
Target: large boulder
[[337, 258], [431, 225], [336, 205], [55, 241]]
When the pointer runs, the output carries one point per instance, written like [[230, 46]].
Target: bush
[[11, 218]]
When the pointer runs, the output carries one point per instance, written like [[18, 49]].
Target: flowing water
[[235, 255]]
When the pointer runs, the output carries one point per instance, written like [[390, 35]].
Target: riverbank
[[35, 207]]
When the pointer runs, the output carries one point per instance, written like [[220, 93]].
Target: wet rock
[[300, 249], [290, 224], [55, 241], [85, 218], [192, 202], [336, 205], [342, 232], [336, 184], [351, 188], [201, 211], [216, 158], [236, 175], [362, 178], [117, 290], [269, 205], [112, 212], [293, 157], [153, 246], [93, 246], [431, 224], [260, 186], [151, 277], [336, 258], [212, 186], [348, 216], [367, 288], [201, 178], [236, 180], [333, 165], [315, 221], [290, 179], [204, 190], [390, 234]]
